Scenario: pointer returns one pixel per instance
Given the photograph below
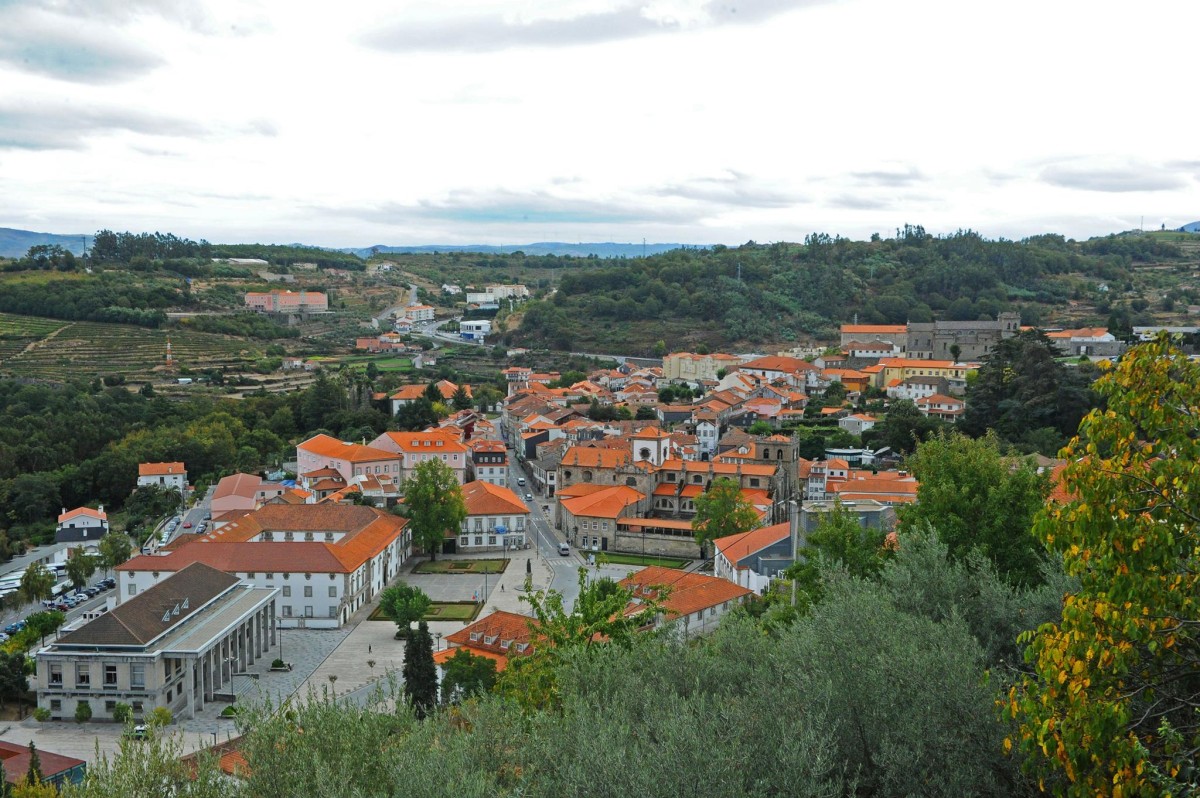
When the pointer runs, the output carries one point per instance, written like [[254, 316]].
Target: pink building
[[287, 301], [348, 459]]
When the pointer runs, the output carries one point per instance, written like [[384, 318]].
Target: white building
[[326, 560], [174, 645], [475, 330], [163, 475]]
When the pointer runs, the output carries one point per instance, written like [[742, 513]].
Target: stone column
[[189, 676]]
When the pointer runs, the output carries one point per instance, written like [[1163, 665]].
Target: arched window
[[644, 453], [587, 476]]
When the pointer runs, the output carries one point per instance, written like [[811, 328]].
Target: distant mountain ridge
[[606, 249], [15, 243]]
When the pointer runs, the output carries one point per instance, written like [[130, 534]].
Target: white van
[[564, 549]]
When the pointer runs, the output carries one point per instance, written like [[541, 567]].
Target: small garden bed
[[461, 567], [610, 558], [438, 611]]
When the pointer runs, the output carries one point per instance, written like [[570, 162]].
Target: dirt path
[[40, 342]]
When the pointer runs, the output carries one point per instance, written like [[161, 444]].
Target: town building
[[287, 301], [83, 524], [694, 604], [348, 459], [418, 313], [241, 493], [752, 559], [959, 340], [488, 462], [327, 560], [58, 770], [496, 520], [947, 408], [1086, 342], [498, 636], [174, 645], [475, 329], [172, 476], [410, 449]]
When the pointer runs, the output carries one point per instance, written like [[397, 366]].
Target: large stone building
[[936, 340], [174, 645]]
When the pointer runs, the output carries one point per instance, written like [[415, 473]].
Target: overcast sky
[[693, 121]]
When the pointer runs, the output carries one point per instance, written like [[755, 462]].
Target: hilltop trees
[[1111, 708]]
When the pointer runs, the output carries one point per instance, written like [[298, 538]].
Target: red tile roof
[[738, 547], [688, 592], [607, 503], [84, 512], [484, 498], [160, 469], [327, 446]]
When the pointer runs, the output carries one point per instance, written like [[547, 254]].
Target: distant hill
[[600, 250], [15, 243]]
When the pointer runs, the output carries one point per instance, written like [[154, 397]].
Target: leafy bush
[[122, 713], [41, 714], [278, 663], [83, 711], [160, 716]]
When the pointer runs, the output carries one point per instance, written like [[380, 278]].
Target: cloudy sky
[[512, 121]]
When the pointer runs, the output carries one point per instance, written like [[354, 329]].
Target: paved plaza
[[361, 656]]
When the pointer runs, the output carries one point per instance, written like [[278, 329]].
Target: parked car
[[110, 581], [187, 524], [528, 497], [521, 481]]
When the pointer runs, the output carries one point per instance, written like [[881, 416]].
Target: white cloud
[[686, 120]]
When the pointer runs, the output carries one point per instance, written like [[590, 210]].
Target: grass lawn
[[461, 567], [637, 559], [439, 611]]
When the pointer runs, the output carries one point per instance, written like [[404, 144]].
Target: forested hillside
[[759, 293]]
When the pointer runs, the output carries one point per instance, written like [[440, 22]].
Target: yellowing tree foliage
[[1114, 705]]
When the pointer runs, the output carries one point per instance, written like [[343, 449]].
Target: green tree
[[835, 394], [722, 510], [83, 711], [13, 682], [905, 426], [34, 772], [80, 568], [405, 605], [839, 541], [45, 623], [419, 672], [975, 497], [598, 617], [1022, 388], [461, 400], [155, 766], [115, 549], [760, 427], [465, 675], [645, 413], [1112, 705], [433, 504], [434, 394], [36, 583], [5, 787]]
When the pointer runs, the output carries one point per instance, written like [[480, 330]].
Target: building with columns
[[175, 645]]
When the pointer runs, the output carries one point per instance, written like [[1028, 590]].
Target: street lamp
[[438, 635]]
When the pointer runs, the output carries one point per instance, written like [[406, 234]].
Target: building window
[[110, 675], [491, 540], [332, 591], [137, 677], [464, 541], [55, 673], [308, 611], [270, 576], [479, 540], [109, 706], [287, 610], [83, 675], [308, 591], [55, 705], [287, 591], [328, 537], [332, 610], [132, 589]]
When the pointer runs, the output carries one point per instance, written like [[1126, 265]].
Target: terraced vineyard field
[[88, 349]]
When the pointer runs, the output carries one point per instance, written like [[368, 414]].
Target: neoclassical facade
[[175, 646]]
